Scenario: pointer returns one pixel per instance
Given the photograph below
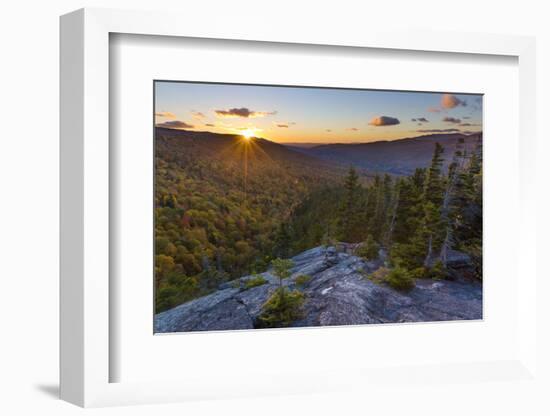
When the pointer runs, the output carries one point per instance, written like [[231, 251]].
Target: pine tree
[[466, 208], [393, 206], [449, 216], [350, 218], [409, 210], [283, 241], [380, 191], [432, 201], [372, 205], [426, 232]]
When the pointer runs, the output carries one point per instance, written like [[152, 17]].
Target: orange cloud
[[165, 114], [449, 101], [243, 112], [197, 114]]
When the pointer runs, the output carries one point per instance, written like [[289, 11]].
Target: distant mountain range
[[399, 157]]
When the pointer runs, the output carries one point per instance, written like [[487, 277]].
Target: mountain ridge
[[397, 157]]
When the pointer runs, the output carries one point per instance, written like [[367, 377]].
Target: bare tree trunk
[[458, 160], [429, 254], [392, 221], [445, 247]]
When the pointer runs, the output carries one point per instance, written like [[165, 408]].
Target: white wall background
[[29, 56]]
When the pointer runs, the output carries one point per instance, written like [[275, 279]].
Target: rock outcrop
[[337, 294]]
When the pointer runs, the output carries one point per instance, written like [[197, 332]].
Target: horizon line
[[326, 143]]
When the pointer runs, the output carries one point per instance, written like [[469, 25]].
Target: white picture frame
[[85, 211]]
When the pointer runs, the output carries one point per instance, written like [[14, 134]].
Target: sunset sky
[[316, 115]]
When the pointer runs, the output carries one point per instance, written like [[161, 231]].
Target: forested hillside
[[226, 207], [219, 204]]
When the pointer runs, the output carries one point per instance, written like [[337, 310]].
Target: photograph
[[297, 206]]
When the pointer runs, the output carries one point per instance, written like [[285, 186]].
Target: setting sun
[[248, 133]]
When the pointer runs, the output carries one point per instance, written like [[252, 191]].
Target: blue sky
[[319, 115]]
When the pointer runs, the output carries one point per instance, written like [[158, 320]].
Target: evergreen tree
[[350, 217], [409, 210], [377, 220], [392, 207], [433, 186], [467, 209], [283, 241], [371, 207], [449, 213], [431, 228], [428, 233]]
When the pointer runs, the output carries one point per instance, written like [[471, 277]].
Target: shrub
[[281, 269], [328, 241], [256, 280], [437, 271], [379, 275], [419, 273], [302, 280], [281, 309], [399, 279], [409, 256], [368, 250]]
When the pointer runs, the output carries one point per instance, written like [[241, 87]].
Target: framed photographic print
[[306, 207], [281, 213]]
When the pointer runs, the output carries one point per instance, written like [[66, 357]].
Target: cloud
[[449, 101], [197, 114], [466, 117], [420, 120], [176, 124], [328, 130], [352, 129], [284, 125], [451, 120], [438, 130], [383, 121], [165, 114], [243, 112], [434, 109], [469, 124], [210, 125]]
